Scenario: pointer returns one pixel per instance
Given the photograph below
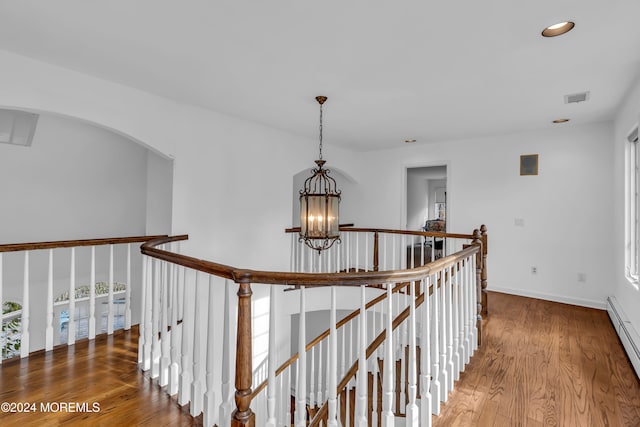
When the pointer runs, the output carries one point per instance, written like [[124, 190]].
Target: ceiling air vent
[[576, 97], [17, 127]]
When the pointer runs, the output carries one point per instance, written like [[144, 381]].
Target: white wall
[[626, 119], [159, 194], [566, 208], [76, 181]]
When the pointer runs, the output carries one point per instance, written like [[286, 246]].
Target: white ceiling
[[393, 70]]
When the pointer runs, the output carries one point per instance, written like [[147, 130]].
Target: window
[[632, 227]]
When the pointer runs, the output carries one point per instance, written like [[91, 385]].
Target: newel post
[[477, 240], [483, 231], [376, 251], [242, 416]]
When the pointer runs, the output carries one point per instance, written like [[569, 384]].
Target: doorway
[[426, 198]]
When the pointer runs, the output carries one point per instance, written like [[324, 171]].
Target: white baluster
[[467, 317], [321, 362], [228, 369], [148, 313], [413, 414], [425, 362], [127, 295], [332, 368], [71, 325], [164, 322], [455, 307], [388, 418], [24, 339], [363, 380], [444, 374], [343, 353], [210, 401], [155, 314], [312, 381], [195, 407], [476, 296], [110, 298], [49, 321], [435, 346], [287, 397], [144, 345], [461, 314], [271, 385], [92, 301], [174, 368], [301, 392]]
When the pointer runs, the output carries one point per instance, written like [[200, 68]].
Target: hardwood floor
[[102, 372], [542, 364], [545, 364]]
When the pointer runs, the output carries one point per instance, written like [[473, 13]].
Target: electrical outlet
[[534, 270]]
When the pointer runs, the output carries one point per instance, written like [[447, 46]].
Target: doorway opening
[[427, 198]]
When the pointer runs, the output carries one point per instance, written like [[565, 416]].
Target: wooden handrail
[[348, 228], [16, 247], [300, 279]]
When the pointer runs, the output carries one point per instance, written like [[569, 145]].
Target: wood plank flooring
[[103, 371], [545, 364], [542, 364]]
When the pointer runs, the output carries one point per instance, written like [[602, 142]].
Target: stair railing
[[182, 305], [81, 273]]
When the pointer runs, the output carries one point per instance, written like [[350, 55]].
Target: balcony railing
[[399, 354]]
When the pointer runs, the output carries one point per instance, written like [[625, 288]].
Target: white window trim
[[632, 209]]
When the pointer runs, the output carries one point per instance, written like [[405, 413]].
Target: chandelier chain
[[320, 131]]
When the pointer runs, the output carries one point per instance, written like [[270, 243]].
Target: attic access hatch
[[17, 127]]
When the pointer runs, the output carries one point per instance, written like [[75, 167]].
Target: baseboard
[[600, 305], [627, 333]]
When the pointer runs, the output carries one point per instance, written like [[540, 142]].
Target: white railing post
[[271, 385], [449, 322], [71, 325], [155, 307], [174, 368], [461, 283], [92, 299], [320, 363], [363, 380], [444, 374], [467, 312], [127, 297], [49, 321], [312, 378], [435, 347], [147, 314], [455, 305], [476, 296], [388, 418], [227, 406], [24, 340], [426, 407], [412, 411], [210, 402], [332, 369], [195, 406], [164, 322], [184, 390], [110, 298], [301, 392]]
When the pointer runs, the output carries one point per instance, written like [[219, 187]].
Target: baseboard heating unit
[[627, 333]]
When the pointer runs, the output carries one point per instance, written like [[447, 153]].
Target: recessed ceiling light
[[561, 120], [558, 29], [409, 141]]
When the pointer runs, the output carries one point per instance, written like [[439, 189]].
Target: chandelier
[[319, 204]]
